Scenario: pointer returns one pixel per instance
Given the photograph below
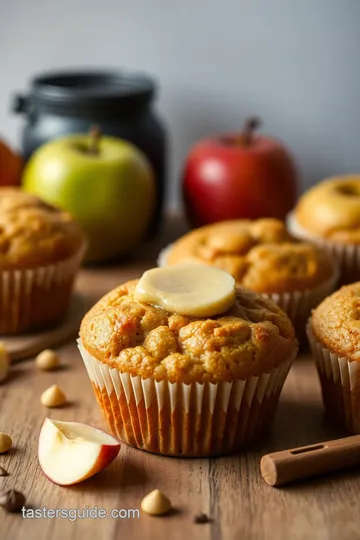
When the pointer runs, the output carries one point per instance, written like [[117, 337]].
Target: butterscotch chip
[[155, 503], [47, 360], [53, 397], [5, 442]]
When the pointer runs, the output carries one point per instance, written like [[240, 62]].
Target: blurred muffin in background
[[41, 249], [334, 334], [183, 385], [262, 256], [329, 215]]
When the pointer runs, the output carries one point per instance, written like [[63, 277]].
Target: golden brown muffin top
[[336, 322], [331, 210], [143, 339], [34, 233], [261, 255]]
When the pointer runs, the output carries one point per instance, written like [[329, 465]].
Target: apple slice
[[70, 452]]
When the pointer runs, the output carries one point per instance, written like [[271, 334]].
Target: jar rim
[[97, 89]]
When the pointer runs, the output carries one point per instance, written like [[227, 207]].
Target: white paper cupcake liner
[[297, 305], [340, 384], [197, 419], [26, 294], [346, 256]]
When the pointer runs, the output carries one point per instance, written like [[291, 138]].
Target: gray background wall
[[296, 63]]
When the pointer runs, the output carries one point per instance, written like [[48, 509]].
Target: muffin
[[262, 256], [334, 334], [40, 250], [183, 385], [329, 214]]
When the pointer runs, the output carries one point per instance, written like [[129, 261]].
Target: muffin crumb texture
[[143, 339], [34, 233], [261, 255], [336, 322]]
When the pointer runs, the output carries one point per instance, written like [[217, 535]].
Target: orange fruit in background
[[11, 165]]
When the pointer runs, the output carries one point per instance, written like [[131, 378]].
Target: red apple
[[10, 166], [239, 176], [70, 452]]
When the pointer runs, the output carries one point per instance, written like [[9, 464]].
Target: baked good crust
[[142, 339], [336, 322], [34, 233], [261, 255], [331, 210]]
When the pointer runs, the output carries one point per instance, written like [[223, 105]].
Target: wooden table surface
[[229, 489]]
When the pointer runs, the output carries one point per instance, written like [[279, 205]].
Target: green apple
[[107, 184]]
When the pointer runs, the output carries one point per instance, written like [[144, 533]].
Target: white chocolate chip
[[5, 442], [189, 289], [47, 360], [4, 362], [53, 397], [155, 503]]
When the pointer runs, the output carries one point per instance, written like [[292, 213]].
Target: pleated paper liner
[[180, 419], [37, 298], [346, 256], [340, 385], [297, 304]]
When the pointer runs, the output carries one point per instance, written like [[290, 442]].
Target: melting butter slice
[[193, 289]]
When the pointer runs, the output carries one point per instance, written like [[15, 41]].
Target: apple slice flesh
[[70, 452]]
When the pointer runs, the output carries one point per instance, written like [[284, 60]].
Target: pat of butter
[[192, 289]]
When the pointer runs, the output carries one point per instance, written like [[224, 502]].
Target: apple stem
[[95, 136], [247, 135]]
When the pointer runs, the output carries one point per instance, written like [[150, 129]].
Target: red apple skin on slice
[[71, 452]]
